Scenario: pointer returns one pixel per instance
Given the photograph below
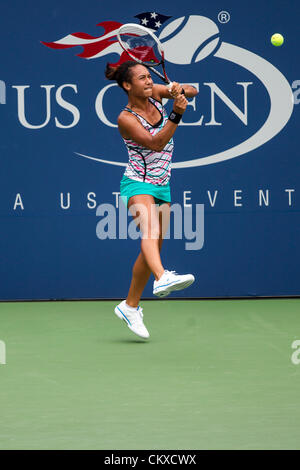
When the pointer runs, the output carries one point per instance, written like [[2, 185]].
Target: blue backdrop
[[237, 152]]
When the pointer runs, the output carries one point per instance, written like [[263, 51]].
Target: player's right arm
[[131, 128]]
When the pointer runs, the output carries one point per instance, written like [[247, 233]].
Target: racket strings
[[140, 45]]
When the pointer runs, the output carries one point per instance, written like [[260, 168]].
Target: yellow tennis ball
[[277, 39]]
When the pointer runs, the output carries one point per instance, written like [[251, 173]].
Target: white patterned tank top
[[145, 164]]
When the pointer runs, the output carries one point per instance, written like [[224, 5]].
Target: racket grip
[[169, 86]]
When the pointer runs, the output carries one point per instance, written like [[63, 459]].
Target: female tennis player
[[147, 132]]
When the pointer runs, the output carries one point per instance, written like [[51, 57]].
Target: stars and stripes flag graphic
[[152, 20], [99, 46]]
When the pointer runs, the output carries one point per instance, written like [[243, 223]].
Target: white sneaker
[[170, 281], [133, 317]]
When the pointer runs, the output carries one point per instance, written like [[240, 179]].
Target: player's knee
[[152, 231]]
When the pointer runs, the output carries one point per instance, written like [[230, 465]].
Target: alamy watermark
[[2, 352], [2, 92], [295, 358], [186, 223], [296, 93]]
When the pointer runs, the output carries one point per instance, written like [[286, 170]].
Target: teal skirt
[[129, 187]]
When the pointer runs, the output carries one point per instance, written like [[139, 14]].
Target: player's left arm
[[161, 91]]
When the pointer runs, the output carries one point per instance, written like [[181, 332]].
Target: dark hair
[[121, 74]]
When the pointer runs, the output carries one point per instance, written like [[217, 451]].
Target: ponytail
[[111, 72], [121, 74]]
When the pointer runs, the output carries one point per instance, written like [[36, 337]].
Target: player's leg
[[141, 271], [144, 212], [170, 280], [153, 227]]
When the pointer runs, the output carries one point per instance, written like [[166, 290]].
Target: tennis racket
[[144, 47]]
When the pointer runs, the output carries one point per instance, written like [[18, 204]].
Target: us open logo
[[188, 41]]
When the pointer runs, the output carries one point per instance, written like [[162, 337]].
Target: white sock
[[133, 309]]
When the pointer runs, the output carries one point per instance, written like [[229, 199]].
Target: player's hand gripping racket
[[144, 47]]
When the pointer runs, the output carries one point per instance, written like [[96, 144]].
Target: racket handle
[[169, 86]]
